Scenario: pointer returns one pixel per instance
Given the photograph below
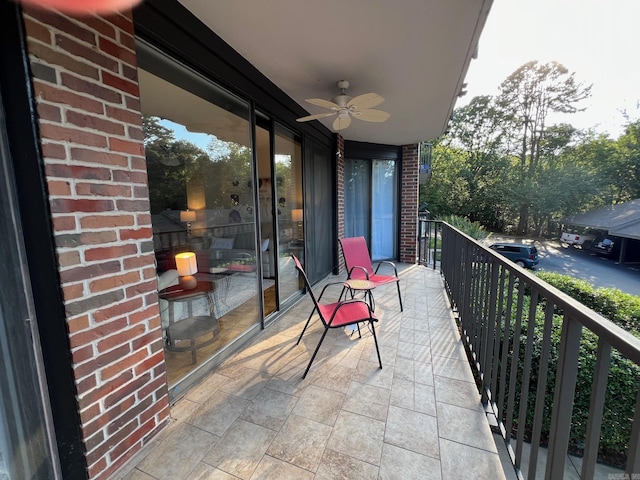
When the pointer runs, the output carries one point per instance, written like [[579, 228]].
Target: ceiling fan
[[346, 107]]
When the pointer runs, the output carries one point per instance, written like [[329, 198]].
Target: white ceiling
[[415, 53]]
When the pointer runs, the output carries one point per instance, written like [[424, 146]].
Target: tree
[[526, 98]]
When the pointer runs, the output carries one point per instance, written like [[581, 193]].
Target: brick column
[[409, 204], [340, 193], [85, 83]]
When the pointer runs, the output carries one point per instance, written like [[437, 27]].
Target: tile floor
[[420, 417]]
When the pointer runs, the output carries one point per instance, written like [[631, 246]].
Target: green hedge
[[624, 376]]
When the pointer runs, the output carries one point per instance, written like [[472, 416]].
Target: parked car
[[605, 246], [583, 240], [521, 254]]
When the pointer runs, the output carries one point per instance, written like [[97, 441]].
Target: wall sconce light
[[187, 266]]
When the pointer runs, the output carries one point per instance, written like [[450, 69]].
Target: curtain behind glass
[[357, 197], [383, 218]]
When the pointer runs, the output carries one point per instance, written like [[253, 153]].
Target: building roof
[[622, 220], [414, 53]]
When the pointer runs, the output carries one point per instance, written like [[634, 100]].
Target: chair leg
[[375, 339], [326, 329], [306, 325], [399, 295]]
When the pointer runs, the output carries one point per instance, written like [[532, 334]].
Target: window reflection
[[199, 164]]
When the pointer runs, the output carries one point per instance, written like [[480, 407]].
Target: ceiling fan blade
[[323, 103], [314, 117], [371, 115], [341, 123], [366, 100]]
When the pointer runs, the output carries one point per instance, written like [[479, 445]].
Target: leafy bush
[[473, 229], [624, 376]]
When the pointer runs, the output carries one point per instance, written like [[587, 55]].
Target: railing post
[[563, 399]]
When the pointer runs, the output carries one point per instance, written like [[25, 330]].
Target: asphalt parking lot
[[595, 269]]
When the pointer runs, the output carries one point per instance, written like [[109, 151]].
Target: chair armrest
[[366, 272], [387, 262], [329, 285]]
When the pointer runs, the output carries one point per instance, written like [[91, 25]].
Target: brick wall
[[409, 203], [340, 193], [85, 83]]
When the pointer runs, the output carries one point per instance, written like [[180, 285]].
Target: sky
[[599, 40]]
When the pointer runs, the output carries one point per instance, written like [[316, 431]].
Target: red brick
[[93, 89], [97, 156], [82, 354], [106, 221], [37, 30], [49, 112], [128, 56], [86, 337], [66, 205], [102, 190], [56, 132], [88, 271], [126, 116], [64, 97], [61, 22], [93, 56], [61, 224], [78, 171], [121, 337], [77, 324], [60, 188], [54, 150], [147, 365], [110, 252], [123, 365], [100, 25], [136, 234], [116, 310], [124, 176], [94, 123], [112, 282], [97, 238], [126, 146], [61, 59], [90, 397]]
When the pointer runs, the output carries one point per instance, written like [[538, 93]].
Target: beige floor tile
[[332, 377], [459, 460], [367, 400], [452, 368], [412, 431], [400, 464], [218, 413], [423, 373], [458, 392], [371, 374], [272, 468], [319, 404], [246, 384], [425, 399], [358, 436], [300, 442], [463, 425], [240, 449], [403, 393], [270, 408], [137, 475], [178, 454], [338, 466], [207, 472]]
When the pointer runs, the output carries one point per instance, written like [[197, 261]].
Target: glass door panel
[[289, 210], [200, 171], [371, 204]]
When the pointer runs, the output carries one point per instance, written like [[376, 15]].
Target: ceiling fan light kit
[[345, 107]]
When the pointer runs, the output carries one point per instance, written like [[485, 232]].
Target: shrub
[[473, 229], [624, 376]]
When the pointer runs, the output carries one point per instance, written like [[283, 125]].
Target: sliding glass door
[[371, 204]]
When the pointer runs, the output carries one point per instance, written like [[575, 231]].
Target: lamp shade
[[186, 263], [296, 215], [188, 216]]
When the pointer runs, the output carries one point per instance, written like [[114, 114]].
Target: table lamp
[[186, 265], [296, 216]]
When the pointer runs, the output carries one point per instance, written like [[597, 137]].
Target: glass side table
[[193, 326]]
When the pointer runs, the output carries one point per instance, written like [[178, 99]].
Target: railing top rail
[[624, 342]]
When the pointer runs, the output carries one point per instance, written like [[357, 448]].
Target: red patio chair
[[358, 262], [337, 314]]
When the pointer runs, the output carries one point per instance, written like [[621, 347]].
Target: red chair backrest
[[306, 280], [356, 254]]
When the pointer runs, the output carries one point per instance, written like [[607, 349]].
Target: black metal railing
[[530, 345], [429, 241]]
